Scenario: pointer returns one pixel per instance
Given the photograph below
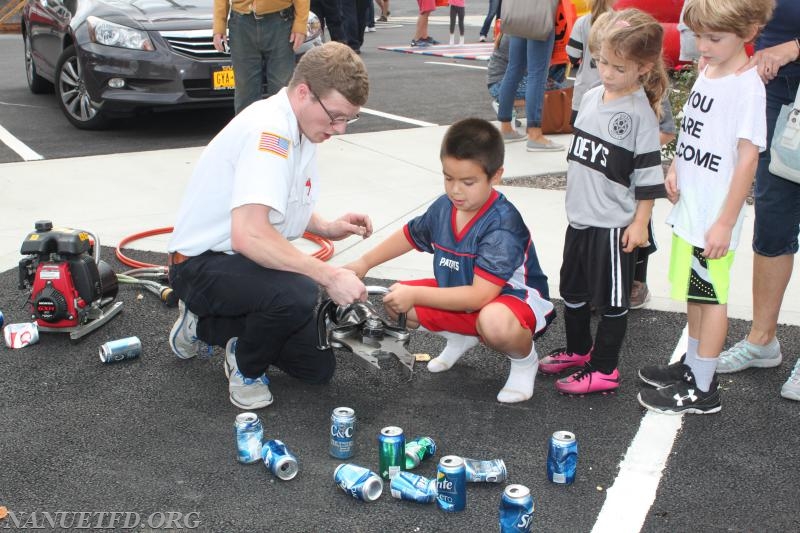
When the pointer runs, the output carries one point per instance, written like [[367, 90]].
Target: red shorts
[[434, 319], [426, 6]]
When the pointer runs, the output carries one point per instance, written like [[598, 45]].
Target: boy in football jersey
[[488, 285]]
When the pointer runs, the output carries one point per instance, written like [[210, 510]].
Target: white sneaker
[[370, 29], [745, 354], [183, 336], [791, 389], [245, 393]]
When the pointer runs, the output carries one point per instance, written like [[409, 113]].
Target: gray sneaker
[[791, 389], [513, 136], [183, 336], [745, 354], [245, 393]]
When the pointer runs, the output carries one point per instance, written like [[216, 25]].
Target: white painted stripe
[[18, 146], [396, 117], [629, 499], [456, 65]]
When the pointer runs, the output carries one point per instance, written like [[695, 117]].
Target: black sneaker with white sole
[[665, 375], [682, 397]]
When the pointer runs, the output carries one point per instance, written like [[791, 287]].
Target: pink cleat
[[560, 359], [588, 380]]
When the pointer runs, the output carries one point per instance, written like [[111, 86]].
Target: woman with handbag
[[531, 25], [777, 204]]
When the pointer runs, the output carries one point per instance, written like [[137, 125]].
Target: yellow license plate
[[223, 79]]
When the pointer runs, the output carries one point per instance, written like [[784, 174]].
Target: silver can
[[21, 334], [120, 350], [249, 434], [491, 471]]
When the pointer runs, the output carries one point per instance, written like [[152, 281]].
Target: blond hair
[[635, 36], [740, 17], [333, 67], [598, 7]]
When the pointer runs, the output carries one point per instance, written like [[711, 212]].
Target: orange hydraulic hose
[[324, 253]]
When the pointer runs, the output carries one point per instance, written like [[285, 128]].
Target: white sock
[[461, 40], [457, 345], [452, 39], [703, 369], [521, 376]]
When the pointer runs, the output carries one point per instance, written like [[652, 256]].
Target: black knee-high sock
[[608, 340], [577, 321]]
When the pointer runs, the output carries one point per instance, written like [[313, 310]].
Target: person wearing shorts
[[421, 37]]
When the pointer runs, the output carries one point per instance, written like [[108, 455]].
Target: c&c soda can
[[516, 510], [342, 430], [412, 487], [21, 334], [391, 451], [279, 460], [359, 482], [249, 434], [418, 449], [562, 457], [492, 471], [451, 484], [120, 350]]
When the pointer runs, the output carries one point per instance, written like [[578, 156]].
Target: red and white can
[[20, 335]]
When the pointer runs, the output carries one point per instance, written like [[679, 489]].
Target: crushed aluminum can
[[412, 487], [359, 482], [21, 335], [120, 350], [492, 471]]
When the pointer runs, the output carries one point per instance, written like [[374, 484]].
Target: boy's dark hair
[[477, 140]]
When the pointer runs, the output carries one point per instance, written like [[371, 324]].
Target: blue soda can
[[516, 509], [359, 482], [120, 350], [451, 484], [249, 434], [492, 471], [343, 426], [562, 457], [418, 449], [279, 459], [391, 451], [412, 487], [2, 319]]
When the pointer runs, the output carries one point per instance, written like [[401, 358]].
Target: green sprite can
[[391, 451], [418, 449]]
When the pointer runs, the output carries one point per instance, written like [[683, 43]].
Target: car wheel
[[36, 83], [73, 98]]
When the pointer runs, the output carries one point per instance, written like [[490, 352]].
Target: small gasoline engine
[[71, 289]]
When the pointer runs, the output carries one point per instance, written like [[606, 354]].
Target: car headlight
[[314, 27], [112, 34]]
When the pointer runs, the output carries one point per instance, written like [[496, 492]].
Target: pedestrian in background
[[494, 9], [263, 36], [777, 205], [421, 37], [457, 9], [330, 16]]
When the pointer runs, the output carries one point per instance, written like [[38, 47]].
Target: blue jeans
[[535, 56], [494, 10], [258, 46], [777, 201]]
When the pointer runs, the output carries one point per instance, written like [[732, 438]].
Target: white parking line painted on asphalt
[[398, 118], [629, 499], [456, 65], [18, 146]]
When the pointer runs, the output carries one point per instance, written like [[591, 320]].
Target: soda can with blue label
[[249, 434], [2, 319], [562, 457], [516, 510], [279, 460], [491, 471], [451, 484], [413, 487], [359, 482], [391, 451], [120, 350], [342, 430], [418, 449]]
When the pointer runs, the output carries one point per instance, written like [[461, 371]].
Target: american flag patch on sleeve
[[269, 142]]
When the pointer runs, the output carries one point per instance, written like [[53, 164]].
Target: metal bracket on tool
[[360, 329]]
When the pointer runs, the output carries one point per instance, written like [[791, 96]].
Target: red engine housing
[[55, 300]]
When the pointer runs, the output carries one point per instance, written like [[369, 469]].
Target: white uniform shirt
[[717, 114], [258, 158]]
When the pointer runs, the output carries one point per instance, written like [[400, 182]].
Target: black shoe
[[682, 397], [665, 375]]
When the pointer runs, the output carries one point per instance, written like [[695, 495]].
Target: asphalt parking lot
[[154, 435]]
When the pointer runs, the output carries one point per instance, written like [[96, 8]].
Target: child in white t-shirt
[[722, 132]]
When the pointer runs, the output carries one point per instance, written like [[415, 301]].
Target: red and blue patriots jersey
[[495, 245]]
